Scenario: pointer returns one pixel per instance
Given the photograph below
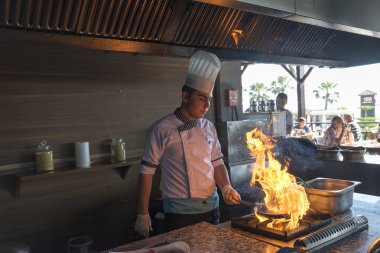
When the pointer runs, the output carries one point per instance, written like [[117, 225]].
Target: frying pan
[[262, 210]]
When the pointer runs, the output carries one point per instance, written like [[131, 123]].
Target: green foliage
[[280, 86], [258, 91], [364, 125], [366, 108], [324, 91]]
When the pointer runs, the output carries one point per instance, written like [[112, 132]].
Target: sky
[[351, 82]]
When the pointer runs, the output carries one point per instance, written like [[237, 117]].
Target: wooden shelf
[[121, 167]]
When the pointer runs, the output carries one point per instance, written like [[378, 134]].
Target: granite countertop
[[204, 237]]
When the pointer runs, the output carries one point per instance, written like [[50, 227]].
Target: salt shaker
[[118, 153], [44, 158]]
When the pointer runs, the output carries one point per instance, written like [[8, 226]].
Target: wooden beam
[[290, 71], [245, 66], [300, 91], [307, 74], [300, 78]]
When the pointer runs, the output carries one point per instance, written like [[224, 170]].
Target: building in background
[[367, 104]]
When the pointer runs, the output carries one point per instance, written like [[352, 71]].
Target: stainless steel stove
[[315, 232], [307, 224]]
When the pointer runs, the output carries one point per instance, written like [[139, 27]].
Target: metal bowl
[[328, 153], [329, 195], [353, 153]]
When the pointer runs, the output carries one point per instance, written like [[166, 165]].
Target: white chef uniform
[[187, 152]]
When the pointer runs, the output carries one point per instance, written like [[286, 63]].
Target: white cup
[[82, 154]]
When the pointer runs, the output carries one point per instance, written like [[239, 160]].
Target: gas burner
[[309, 223]]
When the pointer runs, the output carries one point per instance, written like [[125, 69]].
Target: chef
[[185, 146]]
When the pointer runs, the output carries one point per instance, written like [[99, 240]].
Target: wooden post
[[300, 77], [301, 91]]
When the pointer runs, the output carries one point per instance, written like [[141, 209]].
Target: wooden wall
[[64, 94]]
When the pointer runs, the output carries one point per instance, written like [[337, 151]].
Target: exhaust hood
[[345, 15], [281, 31]]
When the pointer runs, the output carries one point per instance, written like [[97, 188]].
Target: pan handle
[[374, 246], [247, 203], [356, 183]]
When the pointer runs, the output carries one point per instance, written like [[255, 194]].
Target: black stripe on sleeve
[[217, 159], [148, 164]]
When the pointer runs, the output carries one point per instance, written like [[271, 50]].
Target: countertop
[[204, 237], [367, 159]]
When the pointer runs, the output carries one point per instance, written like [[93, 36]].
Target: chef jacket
[[187, 151]]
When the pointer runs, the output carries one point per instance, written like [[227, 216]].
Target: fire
[[283, 195]]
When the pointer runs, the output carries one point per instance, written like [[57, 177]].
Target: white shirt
[[187, 154]]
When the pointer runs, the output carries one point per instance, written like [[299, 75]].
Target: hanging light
[[236, 35]]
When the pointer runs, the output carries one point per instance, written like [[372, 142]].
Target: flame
[[283, 194]]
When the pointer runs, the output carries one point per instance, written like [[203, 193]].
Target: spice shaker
[[118, 153], [44, 158]]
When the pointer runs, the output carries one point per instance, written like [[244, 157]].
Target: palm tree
[[280, 85], [257, 92], [324, 92]]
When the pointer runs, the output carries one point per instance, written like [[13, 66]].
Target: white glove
[[230, 196], [143, 225]]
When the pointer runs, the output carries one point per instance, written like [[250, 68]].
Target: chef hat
[[203, 69]]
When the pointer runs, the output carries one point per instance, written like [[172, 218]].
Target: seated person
[[337, 133], [355, 128], [301, 128]]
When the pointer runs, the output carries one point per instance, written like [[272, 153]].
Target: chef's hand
[[143, 225], [230, 195]]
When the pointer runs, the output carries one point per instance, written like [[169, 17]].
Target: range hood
[[353, 16], [234, 30]]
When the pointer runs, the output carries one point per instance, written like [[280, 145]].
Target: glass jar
[[44, 158], [118, 153]]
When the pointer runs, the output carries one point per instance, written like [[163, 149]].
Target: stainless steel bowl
[[353, 153], [329, 195], [328, 153]]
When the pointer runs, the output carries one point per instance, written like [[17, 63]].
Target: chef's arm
[[145, 186], [221, 176], [143, 222], [230, 195]]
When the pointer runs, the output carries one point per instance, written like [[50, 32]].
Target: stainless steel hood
[[178, 27], [353, 16]]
